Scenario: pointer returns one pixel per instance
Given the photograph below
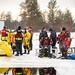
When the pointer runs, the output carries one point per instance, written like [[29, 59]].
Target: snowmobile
[[5, 49]]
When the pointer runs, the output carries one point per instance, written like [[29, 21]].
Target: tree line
[[31, 15]]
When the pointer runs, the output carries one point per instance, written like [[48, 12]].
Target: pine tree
[[31, 13], [52, 10]]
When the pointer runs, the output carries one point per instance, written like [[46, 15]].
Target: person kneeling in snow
[[45, 43]]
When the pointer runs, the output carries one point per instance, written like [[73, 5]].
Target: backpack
[[71, 57]]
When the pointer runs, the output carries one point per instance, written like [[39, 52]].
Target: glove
[[64, 47]]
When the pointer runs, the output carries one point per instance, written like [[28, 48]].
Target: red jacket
[[3, 33], [67, 42]]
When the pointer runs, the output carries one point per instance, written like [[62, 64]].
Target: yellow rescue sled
[[3, 70], [5, 48]]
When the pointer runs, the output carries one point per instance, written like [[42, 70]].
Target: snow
[[1, 24], [63, 66]]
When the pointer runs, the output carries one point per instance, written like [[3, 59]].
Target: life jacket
[[67, 42], [63, 36], [45, 41], [18, 36], [3, 33], [17, 71], [13, 38]]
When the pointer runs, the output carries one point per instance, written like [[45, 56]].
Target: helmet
[[19, 27], [50, 29], [4, 27], [63, 28]]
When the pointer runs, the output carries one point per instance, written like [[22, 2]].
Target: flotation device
[[5, 48]]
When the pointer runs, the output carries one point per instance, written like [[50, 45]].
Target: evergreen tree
[[67, 19], [31, 13], [52, 10], [8, 20], [9, 16], [3, 16]]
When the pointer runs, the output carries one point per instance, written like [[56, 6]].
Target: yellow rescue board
[[3, 70], [5, 48]]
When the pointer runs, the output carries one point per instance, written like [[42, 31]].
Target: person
[[21, 71], [18, 39], [53, 36], [52, 71], [61, 37], [26, 71], [42, 34], [4, 34], [26, 41], [43, 71], [65, 45], [13, 43], [31, 44], [17, 71]]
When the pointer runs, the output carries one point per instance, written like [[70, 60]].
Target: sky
[[13, 6]]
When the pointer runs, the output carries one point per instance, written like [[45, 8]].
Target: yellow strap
[[18, 38], [18, 73], [4, 38]]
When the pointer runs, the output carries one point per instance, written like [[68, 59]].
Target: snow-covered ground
[[63, 67]]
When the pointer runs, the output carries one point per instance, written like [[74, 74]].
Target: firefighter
[[45, 43], [61, 37], [43, 34], [26, 71], [17, 71], [21, 71], [66, 44], [52, 71], [31, 44], [4, 34], [18, 39], [53, 36], [26, 41], [9, 35], [43, 71], [13, 43]]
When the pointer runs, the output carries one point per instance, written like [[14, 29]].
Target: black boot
[[28, 52], [24, 51]]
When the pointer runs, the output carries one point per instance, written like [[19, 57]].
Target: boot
[[28, 52], [24, 51]]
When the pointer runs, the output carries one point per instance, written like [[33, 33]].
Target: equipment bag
[[72, 57]]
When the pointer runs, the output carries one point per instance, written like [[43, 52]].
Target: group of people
[[17, 38], [63, 39], [47, 40], [20, 37]]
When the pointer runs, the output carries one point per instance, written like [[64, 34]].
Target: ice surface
[[63, 67]]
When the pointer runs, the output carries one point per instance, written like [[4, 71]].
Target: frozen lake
[[63, 67]]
